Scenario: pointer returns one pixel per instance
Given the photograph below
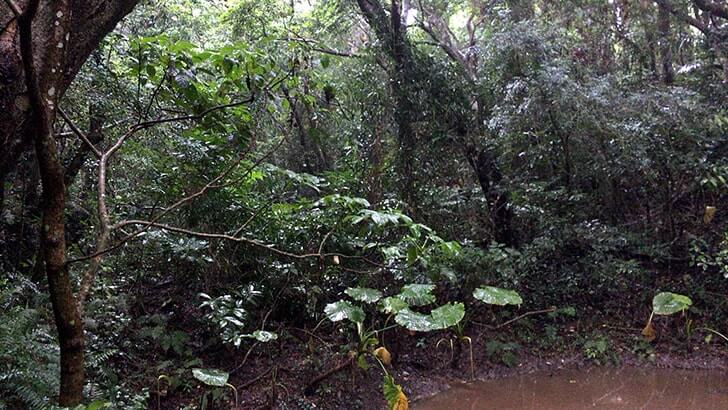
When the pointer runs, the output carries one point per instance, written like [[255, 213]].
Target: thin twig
[[508, 322], [250, 382]]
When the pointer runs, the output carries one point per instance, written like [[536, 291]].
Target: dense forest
[[212, 204]]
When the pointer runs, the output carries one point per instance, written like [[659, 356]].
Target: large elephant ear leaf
[[417, 294], [211, 377], [344, 310], [667, 303], [497, 296], [447, 315], [366, 295]]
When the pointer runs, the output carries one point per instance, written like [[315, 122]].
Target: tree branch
[[254, 242], [712, 8], [79, 133], [14, 7], [667, 5]]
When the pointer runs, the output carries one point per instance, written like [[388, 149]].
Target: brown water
[[626, 388]]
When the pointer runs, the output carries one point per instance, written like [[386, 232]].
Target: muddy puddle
[[626, 388]]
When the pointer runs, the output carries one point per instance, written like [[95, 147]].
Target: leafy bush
[[28, 370]]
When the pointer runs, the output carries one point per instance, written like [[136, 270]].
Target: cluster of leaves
[[229, 314], [415, 296]]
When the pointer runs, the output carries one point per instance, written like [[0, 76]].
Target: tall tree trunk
[[648, 27], [43, 44], [663, 26], [90, 21], [53, 202], [489, 178], [404, 112], [391, 32]]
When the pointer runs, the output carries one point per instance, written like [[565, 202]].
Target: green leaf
[[412, 254], [449, 274], [392, 305], [95, 405], [451, 248], [414, 321], [497, 296], [417, 294], [361, 361], [211, 377], [392, 392], [325, 61], [667, 303], [366, 295], [344, 310], [441, 318], [447, 315], [263, 336]]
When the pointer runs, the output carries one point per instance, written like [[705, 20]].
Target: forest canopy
[[238, 203]]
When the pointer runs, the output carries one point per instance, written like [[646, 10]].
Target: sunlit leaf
[[264, 336], [447, 315], [414, 321], [392, 305], [211, 377], [417, 294], [667, 303], [497, 296], [344, 310], [366, 295]]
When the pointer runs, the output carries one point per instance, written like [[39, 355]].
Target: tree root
[[311, 387]]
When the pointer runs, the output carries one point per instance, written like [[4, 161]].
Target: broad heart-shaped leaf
[[392, 305], [366, 295], [667, 303], [417, 294], [344, 310], [263, 336], [497, 296], [211, 377], [414, 321], [447, 315]]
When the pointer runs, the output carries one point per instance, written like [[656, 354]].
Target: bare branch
[[667, 5], [517, 318], [14, 7], [79, 133], [316, 46], [253, 242]]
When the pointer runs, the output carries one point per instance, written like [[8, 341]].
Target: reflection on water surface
[[626, 388]]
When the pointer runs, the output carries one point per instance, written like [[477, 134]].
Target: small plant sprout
[[393, 393], [490, 295], [215, 378], [159, 389], [666, 304], [715, 332]]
